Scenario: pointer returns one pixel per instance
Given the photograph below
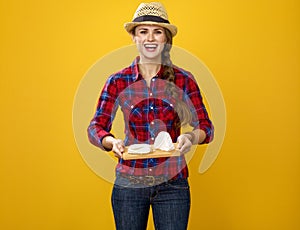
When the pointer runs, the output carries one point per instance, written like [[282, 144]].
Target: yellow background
[[252, 48]]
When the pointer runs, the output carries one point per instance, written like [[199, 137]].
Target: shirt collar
[[135, 70]]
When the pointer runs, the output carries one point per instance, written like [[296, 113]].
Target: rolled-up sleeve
[[100, 125], [200, 117]]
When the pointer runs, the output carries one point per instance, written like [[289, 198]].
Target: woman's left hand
[[184, 143]]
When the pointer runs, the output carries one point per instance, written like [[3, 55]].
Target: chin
[[152, 56]]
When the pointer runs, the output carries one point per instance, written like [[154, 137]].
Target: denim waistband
[[145, 180]]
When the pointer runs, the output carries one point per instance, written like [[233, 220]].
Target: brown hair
[[181, 108]]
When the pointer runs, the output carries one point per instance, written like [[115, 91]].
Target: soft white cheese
[[163, 141], [139, 149]]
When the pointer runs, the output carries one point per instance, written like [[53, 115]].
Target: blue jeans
[[170, 203]]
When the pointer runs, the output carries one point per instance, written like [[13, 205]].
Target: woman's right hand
[[118, 148], [116, 145]]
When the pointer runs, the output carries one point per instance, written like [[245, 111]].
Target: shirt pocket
[[166, 110], [131, 108]]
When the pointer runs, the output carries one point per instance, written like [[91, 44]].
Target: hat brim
[[129, 26]]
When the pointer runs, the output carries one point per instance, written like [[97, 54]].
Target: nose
[[150, 36]]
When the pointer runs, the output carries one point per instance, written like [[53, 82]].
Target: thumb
[[179, 141]]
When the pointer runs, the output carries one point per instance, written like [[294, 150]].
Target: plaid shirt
[[147, 111]]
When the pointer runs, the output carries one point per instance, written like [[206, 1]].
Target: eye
[[143, 31], [158, 32]]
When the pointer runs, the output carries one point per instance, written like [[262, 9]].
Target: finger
[[117, 153], [121, 147], [120, 144], [186, 147], [180, 142], [118, 147], [181, 148]]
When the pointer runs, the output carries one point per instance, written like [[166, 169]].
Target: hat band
[[151, 18]]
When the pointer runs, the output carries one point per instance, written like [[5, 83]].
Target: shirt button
[[150, 170], [151, 107], [153, 79], [131, 106], [171, 105], [152, 123], [151, 94], [152, 138]]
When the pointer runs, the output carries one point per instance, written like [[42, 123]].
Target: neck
[[149, 70]]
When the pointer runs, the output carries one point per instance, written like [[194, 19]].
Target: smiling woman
[[150, 42], [155, 96]]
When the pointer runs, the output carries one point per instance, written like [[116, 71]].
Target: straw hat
[[152, 13]]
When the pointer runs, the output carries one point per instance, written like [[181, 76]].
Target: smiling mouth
[[150, 47]]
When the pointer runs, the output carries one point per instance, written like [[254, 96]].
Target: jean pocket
[[180, 183]]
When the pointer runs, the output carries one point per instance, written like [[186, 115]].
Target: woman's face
[[150, 42]]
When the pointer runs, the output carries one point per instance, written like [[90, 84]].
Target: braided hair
[[181, 108]]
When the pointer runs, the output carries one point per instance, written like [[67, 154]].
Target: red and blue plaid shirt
[[147, 111]]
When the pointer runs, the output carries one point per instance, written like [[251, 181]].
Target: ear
[[133, 38]]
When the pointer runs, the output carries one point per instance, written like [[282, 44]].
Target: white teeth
[[151, 46]]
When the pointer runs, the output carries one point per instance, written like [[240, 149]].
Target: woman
[[154, 96]]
